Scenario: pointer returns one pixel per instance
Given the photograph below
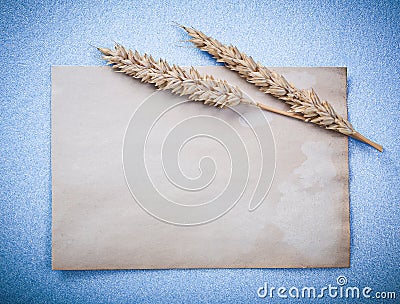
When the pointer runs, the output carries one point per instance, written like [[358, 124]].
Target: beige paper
[[146, 180]]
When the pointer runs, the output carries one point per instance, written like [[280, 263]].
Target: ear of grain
[[196, 87], [304, 103]]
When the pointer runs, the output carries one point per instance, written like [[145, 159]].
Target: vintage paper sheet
[[143, 179]]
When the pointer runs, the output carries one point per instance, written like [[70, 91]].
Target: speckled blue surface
[[363, 35]]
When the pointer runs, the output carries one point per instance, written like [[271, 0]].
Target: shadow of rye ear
[[304, 103]]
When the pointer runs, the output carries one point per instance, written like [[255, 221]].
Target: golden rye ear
[[305, 103], [197, 87]]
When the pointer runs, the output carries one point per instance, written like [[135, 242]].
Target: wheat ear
[[204, 88], [305, 103]]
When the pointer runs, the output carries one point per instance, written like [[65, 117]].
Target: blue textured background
[[364, 36]]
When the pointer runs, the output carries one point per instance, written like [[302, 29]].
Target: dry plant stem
[[362, 138], [304, 103], [281, 112]]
